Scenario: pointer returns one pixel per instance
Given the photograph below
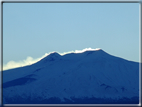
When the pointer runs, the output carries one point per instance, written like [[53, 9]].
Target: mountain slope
[[71, 77]]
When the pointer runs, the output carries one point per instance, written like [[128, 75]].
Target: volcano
[[90, 77]]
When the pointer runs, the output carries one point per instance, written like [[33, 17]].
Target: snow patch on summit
[[86, 49], [80, 51]]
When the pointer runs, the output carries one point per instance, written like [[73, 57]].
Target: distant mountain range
[[91, 77]]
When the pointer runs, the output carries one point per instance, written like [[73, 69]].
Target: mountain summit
[[88, 77]]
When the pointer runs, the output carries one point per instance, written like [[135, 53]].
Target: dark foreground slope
[[91, 77]]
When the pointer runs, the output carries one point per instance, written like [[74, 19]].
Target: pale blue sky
[[33, 29]]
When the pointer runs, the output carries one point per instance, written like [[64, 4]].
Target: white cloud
[[80, 51], [13, 64], [86, 49], [30, 60]]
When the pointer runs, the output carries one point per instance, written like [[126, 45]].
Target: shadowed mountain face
[[91, 77]]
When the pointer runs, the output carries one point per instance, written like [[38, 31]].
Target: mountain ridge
[[75, 75]]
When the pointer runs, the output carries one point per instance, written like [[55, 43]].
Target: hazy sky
[[33, 29]]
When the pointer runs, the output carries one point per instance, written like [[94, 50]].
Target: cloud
[[30, 60], [86, 49], [80, 51]]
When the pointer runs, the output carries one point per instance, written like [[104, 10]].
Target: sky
[[33, 30]]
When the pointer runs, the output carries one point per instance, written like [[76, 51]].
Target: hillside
[[88, 77]]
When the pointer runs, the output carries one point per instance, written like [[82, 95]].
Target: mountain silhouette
[[90, 77]]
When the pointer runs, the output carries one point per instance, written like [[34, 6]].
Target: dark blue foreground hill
[[91, 77], [55, 100]]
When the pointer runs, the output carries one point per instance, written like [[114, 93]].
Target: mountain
[[94, 77]]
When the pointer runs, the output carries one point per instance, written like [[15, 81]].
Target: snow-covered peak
[[54, 55], [94, 51], [87, 54], [96, 54], [86, 49], [97, 49], [92, 73]]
